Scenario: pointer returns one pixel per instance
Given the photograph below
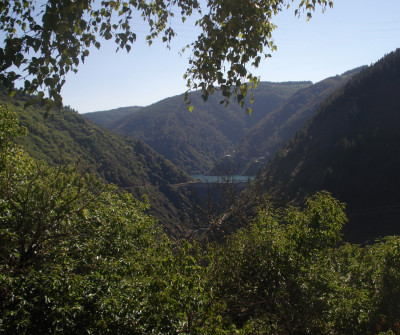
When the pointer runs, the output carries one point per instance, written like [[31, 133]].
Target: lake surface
[[221, 179]]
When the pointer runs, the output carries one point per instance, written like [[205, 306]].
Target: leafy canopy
[[43, 41], [81, 257]]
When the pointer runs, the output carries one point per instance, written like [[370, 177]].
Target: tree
[[275, 274], [79, 257], [43, 41], [73, 250]]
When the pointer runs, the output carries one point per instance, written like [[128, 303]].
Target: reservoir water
[[221, 179]]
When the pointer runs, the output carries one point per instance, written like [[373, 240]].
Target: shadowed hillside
[[66, 136], [350, 148], [262, 140]]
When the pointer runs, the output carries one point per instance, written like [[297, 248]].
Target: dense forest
[[262, 140], [103, 118], [64, 137], [196, 141], [80, 253], [223, 139], [350, 147]]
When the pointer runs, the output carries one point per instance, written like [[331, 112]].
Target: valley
[[283, 219], [195, 141], [191, 150], [219, 204]]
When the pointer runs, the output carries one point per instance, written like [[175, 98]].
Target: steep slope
[[350, 148], [131, 164], [262, 140], [194, 141]]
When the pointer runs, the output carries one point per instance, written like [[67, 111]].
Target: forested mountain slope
[[194, 141], [131, 164], [350, 148], [102, 118], [262, 140]]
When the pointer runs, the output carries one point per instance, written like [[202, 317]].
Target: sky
[[351, 34]]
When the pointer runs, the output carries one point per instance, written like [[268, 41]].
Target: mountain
[[102, 118], [65, 136], [194, 141], [263, 139], [350, 148]]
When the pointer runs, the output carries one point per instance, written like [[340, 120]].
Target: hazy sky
[[351, 34]]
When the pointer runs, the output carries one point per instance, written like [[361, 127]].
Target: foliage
[[42, 42], [287, 274], [77, 256], [65, 136], [275, 275]]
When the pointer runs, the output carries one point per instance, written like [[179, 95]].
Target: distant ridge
[[194, 141], [102, 118]]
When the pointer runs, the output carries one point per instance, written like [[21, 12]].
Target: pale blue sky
[[351, 34]]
